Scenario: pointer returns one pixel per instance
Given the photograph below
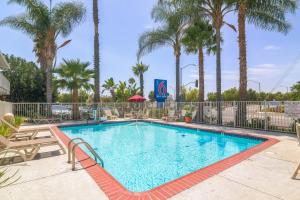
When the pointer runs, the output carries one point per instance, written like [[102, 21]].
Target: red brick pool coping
[[116, 191]]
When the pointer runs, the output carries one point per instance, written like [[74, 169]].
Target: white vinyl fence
[[273, 115]]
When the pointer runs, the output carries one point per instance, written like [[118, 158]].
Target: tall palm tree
[[74, 76], [215, 11], [110, 86], [198, 37], [96, 51], [170, 32], [268, 15], [44, 26], [139, 69]]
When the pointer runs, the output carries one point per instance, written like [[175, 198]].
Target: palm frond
[[67, 15], [154, 39], [20, 22], [268, 20], [36, 9]]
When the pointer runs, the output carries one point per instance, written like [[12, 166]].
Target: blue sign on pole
[[160, 90]]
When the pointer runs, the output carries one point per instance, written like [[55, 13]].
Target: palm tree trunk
[[96, 51], [113, 95], [218, 74], [177, 54], [201, 74], [142, 84], [241, 115], [201, 82], [75, 104], [49, 84]]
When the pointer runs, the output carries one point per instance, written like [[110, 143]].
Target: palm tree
[[215, 11], [131, 81], [170, 32], [96, 51], [122, 92], [198, 37], [269, 15], [139, 69], [44, 26], [74, 76], [110, 86]]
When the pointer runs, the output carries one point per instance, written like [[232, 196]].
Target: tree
[[215, 11], [132, 87], [198, 37], [96, 51], [110, 86], [139, 69], [44, 25], [122, 92], [74, 76], [295, 92], [67, 98], [269, 15], [131, 81], [27, 82], [170, 32], [151, 96], [266, 14]]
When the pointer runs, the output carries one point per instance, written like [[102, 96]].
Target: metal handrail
[[96, 156], [69, 147]]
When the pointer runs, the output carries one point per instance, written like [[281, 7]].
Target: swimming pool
[[142, 155]]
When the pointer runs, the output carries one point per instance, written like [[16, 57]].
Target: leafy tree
[[139, 69], [110, 86], [67, 98], [27, 81], [74, 75], [44, 25], [200, 36], [132, 87], [151, 96], [295, 93], [122, 92], [96, 51], [170, 32]]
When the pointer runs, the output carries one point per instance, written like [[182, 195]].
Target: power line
[[285, 74]]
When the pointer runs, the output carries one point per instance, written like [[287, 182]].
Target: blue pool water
[[143, 155]]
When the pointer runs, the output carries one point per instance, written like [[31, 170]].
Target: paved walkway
[[265, 175]]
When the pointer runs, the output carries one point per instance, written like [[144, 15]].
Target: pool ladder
[[71, 152]]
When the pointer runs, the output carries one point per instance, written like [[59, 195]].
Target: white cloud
[[271, 48], [263, 70]]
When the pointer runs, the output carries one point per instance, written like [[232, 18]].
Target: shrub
[[18, 121], [4, 130], [188, 114]]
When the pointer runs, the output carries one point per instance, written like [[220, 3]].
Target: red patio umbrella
[[136, 98]]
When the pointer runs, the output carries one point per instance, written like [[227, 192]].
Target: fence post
[[234, 113], [210, 110], [38, 110], [266, 116]]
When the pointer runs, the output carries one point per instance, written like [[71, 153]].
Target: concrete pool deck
[[265, 175]]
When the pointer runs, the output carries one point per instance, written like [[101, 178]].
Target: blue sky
[[271, 56]]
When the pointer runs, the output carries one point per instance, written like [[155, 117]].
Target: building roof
[[3, 62]]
